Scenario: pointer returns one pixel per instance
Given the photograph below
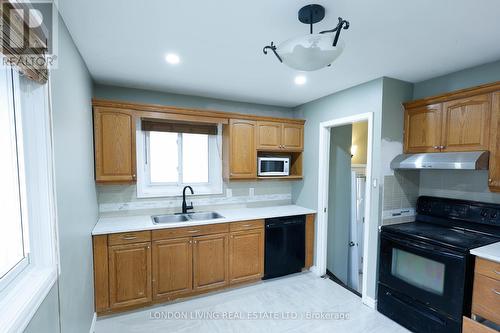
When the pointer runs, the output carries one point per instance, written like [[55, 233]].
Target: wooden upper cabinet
[[269, 135], [494, 172], [172, 267], [114, 141], [292, 137], [422, 128], [242, 151], [466, 124], [210, 262], [129, 275], [246, 255], [280, 136]]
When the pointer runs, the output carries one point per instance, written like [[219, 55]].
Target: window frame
[[146, 189], [20, 299]]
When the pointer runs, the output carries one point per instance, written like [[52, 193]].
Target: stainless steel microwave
[[273, 166]]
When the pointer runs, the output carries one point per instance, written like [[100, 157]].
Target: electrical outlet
[[251, 192], [229, 193]]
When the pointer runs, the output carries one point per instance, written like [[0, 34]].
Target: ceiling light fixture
[[314, 51], [300, 80], [172, 58]]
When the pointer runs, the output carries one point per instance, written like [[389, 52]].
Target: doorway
[[344, 197], [346, 203]]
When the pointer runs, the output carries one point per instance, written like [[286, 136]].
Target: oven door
[[430, 274]]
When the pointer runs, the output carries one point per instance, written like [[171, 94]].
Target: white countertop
[[111, 225], [490, 252]]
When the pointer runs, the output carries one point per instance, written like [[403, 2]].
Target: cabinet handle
[[129, 237], [490, 181], [496, 272], [436, 147], [442, 147], [246, 225], [193, 231], [495, 291]]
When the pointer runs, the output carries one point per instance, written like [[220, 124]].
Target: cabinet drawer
[[245, 225], [486, 298], [190, 231], [488, 268], [471, 326], [129, 237]]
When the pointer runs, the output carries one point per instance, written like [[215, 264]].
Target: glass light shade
[[310, 52]]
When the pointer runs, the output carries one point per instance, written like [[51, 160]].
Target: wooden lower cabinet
[[172, 268], [140, 268], [210, 262], [129, 275], [246, 255]]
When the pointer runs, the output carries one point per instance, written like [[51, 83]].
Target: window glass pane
[[419, 271], [164, 157], [11, 231], [194, 158]]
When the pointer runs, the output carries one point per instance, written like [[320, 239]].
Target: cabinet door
[[466, 124], [210, 262], [243, 154], [246, 255], [172, 267], [422, 129], [129, 275], [494, 176], [292, 137], [269, 135], [114, 140]]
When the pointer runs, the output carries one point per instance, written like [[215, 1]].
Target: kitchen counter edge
[[112, 225], [489, 252]]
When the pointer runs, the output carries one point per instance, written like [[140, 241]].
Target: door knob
[[351, 244]]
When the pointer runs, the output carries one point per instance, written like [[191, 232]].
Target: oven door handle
[[424, 247]]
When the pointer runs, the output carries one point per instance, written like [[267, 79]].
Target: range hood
[[473, 160]]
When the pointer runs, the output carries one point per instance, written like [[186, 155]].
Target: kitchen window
[[171, 156], [28, 255]]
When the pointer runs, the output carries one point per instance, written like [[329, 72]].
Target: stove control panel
[[470, 211]]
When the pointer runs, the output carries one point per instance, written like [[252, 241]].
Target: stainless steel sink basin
[[204, 216], [175, 218], [169, 218]]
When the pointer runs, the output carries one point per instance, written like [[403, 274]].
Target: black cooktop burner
[[452, 237]]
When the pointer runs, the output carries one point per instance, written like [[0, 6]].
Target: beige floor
[[291, 301]]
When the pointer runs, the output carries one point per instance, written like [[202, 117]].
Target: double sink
[[176, 218]]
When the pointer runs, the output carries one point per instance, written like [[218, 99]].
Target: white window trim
[[20, 300], [147, 190]]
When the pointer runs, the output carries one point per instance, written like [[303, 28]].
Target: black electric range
[[425, 267]]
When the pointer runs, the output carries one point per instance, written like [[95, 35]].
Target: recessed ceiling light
[[300, 80], [172, 58]]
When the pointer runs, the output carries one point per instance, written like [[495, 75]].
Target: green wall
[[458, 80], [73, 303], [164, 98]]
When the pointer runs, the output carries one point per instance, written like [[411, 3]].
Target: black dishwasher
[[285, 246]]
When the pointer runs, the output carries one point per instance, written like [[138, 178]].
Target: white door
[[358, 183]]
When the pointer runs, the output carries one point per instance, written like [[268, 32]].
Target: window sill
[[176, 191], [21, 299]]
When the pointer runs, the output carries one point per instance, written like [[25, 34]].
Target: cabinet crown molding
[[462, 93]]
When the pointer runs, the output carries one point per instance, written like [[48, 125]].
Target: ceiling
[[220, 44]]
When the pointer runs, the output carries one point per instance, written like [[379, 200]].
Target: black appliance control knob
[[484, 213], [494, 214]]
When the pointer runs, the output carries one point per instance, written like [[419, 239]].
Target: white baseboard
[[370, 302], [92, 326], [314, 269]]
